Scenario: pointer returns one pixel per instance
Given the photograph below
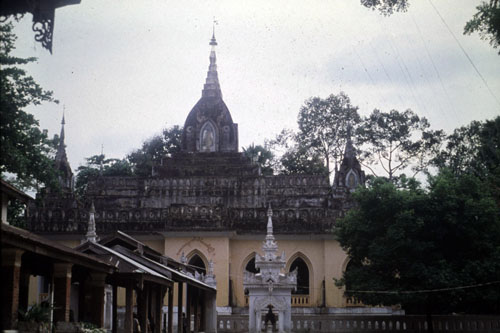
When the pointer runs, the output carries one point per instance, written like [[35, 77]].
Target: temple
[[208, 203]]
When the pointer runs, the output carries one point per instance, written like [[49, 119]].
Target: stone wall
[[301, 204], [329, 323]]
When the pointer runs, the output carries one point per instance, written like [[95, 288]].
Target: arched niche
[[304, 273], [249, 264], [351, 179], [198, 261], [208, 137]]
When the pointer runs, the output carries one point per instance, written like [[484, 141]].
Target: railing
[[300, 300], [352, 302], [297, 300], [385, 324]]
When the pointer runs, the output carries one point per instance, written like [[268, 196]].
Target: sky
[[124, 70]]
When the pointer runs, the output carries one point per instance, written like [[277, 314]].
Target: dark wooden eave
[[129, 269], [163, 269], [13, 237], [13, 192]]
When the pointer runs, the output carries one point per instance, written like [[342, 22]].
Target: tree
[[474, 149], [417, 247], [486, 21], [298, 160], [323, 126], [288, 157], [98, 165], [154, 149], [396, 140], [260, 155], [461, 150], [24, 148], [387, 7]]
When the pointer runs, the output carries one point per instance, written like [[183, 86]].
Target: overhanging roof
[[163, 269], [13, 192], [13, 237]]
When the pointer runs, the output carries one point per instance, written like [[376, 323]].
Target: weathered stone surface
[[209, 186]]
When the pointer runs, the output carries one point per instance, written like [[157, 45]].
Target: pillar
[[179, 307], [258, 321], [62, 291], [160, 294], [114, 312], [11, 269], [24, 286], [189, 292], [195, 311], [143, 308], [210, 312], [251, 315], [170, 316], [281, 321], [96, 304], [129, 310]]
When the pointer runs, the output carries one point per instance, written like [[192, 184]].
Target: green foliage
[[462, 147], [474, 149], [154, 149], [38, 313], [16, 214], [91, 328], [291, 158], [323, 126], [414, 239], [396, 140], [486, 22], [387, 7], [24, 148], [98, 165], [298, 160], [260, 155]]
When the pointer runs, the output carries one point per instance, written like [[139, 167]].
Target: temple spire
[[212, 87], [350, 174], [61, 160], [270, 247], [349, 147], [91, 235], [61, 149]]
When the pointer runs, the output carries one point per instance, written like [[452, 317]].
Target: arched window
[[197, 263], [302, 276], [251, 266], [351, 179], [207, 137]]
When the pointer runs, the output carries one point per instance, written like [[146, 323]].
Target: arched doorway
[[196, 312], [198, 264], [251, 266], [302, 276]]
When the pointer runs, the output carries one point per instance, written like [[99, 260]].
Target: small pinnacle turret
[[212, 86], [349, 148], [91, 234], [270, 247], [61, 163], [350, 174]]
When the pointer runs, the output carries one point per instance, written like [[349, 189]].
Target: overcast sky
[[126, 69]]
